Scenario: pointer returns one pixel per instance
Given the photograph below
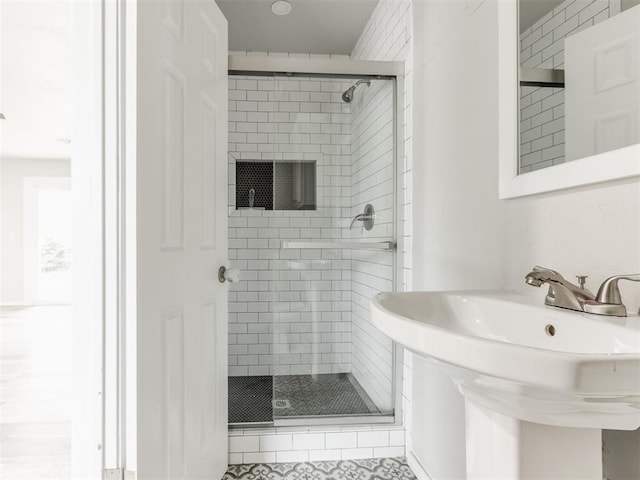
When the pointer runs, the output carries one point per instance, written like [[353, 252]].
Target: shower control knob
[[231, 275]]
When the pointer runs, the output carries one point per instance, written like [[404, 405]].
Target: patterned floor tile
[[367, 469]]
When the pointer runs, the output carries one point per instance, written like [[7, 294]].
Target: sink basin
[[512, 354]]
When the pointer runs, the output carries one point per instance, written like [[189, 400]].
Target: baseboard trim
[[416, 466]]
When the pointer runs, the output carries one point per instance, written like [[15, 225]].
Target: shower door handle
[[232, 275]]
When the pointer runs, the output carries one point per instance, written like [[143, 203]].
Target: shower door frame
[[339, 67]]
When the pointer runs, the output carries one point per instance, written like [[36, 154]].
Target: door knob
[[231, 275]]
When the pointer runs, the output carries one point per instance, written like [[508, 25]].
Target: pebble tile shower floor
[[256, 399], [366, 469]]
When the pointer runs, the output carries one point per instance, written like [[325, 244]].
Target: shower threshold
[[288, 400]]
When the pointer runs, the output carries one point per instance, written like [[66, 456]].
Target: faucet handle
[[609, 291], [582, 279]]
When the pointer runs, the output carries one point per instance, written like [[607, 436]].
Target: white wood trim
[[314, 65], [614, 165], [87, 180], [508, 94], [114, 331], [128, 29], [416, 467]]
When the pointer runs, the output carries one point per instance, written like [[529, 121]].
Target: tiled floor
[[250, 398], [367, 469]]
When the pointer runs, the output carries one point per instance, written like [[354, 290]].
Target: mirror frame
[[613, 165]]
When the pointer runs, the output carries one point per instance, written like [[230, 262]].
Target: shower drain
[[281, 404]]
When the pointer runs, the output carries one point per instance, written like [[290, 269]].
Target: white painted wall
[[458, 219]]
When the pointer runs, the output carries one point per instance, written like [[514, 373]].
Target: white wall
[[12, 175], [458, 219]]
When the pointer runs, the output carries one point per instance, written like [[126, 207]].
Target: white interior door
[[181, 224], [602, 74]]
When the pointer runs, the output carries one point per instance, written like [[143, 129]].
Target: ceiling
[[36, 55], [313, 26], [533, 10]]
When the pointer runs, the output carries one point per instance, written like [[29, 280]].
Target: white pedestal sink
[[539, 382]]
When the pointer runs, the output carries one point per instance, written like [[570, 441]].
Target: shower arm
[[347, 95]]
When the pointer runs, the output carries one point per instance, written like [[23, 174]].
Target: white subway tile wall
[[542, 108], [388, 37], [301, 444], [372, 180], [291, 314]]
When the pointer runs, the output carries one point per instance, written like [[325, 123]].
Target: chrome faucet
[[565, 294], [562, 293]]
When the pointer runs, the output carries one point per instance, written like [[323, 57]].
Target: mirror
[[579, 79], [576, 72]]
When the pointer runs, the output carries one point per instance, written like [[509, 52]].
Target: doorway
[[47, 240], [51, 313]]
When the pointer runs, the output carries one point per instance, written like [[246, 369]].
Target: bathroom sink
[[511, 354]]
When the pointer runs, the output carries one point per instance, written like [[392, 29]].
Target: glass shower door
[[300, 332], [328, 365]]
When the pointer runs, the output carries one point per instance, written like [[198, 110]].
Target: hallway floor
[[366, 469], [35, 392]]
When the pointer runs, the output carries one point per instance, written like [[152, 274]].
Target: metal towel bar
[[389, 245]]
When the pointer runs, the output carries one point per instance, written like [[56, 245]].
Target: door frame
[[118, 328], [91, 196]]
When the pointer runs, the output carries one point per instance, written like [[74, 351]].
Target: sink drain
[[550, 329]]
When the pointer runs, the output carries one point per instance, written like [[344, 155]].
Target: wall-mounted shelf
[[389, 245]]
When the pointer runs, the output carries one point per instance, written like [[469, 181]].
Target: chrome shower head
[[347, 96]]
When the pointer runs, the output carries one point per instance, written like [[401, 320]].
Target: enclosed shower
[[311, 164]]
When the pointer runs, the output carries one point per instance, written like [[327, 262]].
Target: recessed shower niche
[[277, 185]]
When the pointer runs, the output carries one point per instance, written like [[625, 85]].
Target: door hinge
[[118, 474]]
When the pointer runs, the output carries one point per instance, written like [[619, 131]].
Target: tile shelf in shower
[[276, 185]]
